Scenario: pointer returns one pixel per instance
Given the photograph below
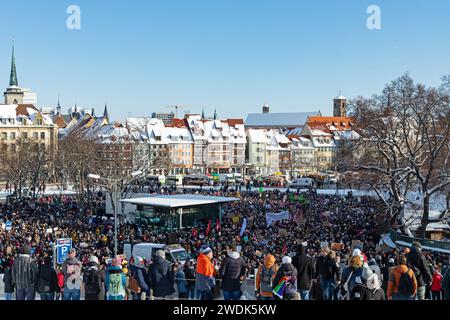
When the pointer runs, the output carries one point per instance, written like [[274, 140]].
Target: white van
[[174, 252], [302, 183], [174, 180]]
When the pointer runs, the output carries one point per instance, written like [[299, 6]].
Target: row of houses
[[194, 144]]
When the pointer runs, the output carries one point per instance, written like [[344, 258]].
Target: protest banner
[[272, 217]]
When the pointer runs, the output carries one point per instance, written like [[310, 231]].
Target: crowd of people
[[327, 249]]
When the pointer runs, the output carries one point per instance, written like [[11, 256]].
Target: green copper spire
[[13, 76]]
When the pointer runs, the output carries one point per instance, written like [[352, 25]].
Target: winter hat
[[417, 245], [206, 250], [115, 262], [161, 254], [94, 259], [138, 261], [391, 260], [356, 252], [286, 260], [373, 282]]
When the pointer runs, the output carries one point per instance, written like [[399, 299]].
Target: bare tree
[[25, 164], [404, 145]]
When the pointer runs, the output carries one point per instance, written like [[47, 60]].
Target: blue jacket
[[181, 281], [138, 274]]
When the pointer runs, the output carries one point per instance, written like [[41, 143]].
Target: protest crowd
[[295, 246]]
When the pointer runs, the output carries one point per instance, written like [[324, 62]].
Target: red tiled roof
[[178, 123], [233, 122], [320, 123], [21, 109]]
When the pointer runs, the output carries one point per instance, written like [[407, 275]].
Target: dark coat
[[48, 276], [99, 276], [231, 270], [418, 262], [161, 278], [7, 279], [189, 273], [305, 271], [286, 269], [326, 268]]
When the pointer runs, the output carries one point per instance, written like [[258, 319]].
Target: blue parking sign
[[63, 247], [8, 225]]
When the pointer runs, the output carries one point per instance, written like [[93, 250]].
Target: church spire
[[13, 76], [203, 114], [215, 114], [58, 108], [105, 113]]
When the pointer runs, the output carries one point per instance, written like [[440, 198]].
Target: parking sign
[[8, 225], [63, 247]]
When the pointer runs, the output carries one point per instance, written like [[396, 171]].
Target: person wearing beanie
[[287, 272], [374, 267], [24, 275], [265, 277], [137, 272], [421, 269], [205, 280], [72, 277], [94, 280], [232, 270], [402, 290], [373, 289], [116, 281], [305, 270], [161, 278]]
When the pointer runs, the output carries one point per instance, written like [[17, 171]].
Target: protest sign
[[272, 217]]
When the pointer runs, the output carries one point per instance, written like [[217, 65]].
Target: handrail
[[443, 245]]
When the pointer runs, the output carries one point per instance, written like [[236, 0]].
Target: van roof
[[174, 246]]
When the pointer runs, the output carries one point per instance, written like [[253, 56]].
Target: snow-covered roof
[[279, 120], [257, 136], [319, 142], [178, 201], [14, 115]]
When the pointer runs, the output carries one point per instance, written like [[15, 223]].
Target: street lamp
[[115, 184]]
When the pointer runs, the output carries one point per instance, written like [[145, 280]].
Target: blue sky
[[234, 55]]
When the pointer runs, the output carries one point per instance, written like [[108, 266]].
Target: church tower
[[340, 106], [13, 94]]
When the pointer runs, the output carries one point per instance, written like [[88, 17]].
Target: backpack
[[267, 279], [92, 285], [115, 285], [290, 288], [405, 284], [133, 285]]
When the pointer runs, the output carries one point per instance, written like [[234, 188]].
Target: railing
[[442, 245]]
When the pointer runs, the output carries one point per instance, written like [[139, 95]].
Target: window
[[13, 136], [35, 135], [25, 135], [4, 136], [42, 135]]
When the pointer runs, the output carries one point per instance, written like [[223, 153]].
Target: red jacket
[[437, 279], [60, 277]]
